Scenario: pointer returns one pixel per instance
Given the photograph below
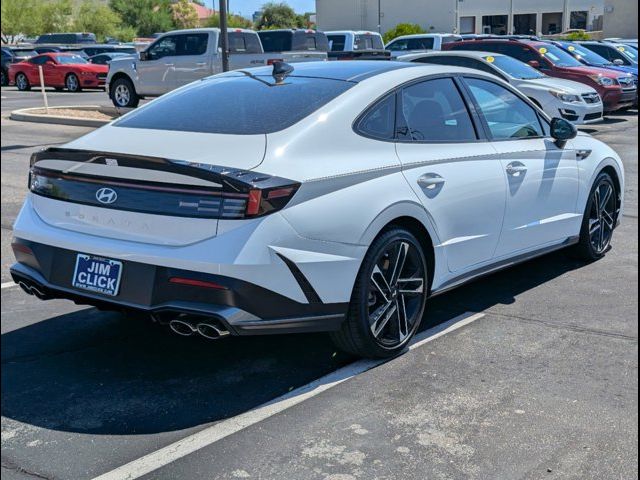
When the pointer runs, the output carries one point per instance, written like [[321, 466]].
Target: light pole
[[456, 28], [224, 37], [380, 16]]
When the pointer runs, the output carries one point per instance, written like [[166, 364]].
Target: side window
[[507, 115], [420, 43], [602, 51], [237, 43], [39, 60], [165, 47], [434, 111], [193, 44], [399, 45], [379, 121]]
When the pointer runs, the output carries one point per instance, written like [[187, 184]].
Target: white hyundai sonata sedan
[[334, 197]]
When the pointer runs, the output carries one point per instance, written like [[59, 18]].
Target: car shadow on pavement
[[101, 373]]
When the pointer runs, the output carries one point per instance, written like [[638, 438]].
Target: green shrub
[[403, 29]]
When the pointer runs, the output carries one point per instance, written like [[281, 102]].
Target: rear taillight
[[193, 282], [271, 61], [263, 202]]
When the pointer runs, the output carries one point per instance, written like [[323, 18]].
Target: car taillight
[[263, 202], [271, 61]]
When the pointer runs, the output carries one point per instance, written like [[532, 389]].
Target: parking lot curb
[[27, 115]]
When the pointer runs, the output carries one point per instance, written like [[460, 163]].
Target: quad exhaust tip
[[186, 326], [33, 290]]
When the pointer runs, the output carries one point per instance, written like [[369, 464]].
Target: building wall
[[439, 16], [621, 18]]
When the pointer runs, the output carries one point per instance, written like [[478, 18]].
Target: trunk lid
[[146, 187]]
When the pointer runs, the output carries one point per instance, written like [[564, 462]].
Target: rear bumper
[[244, 308]]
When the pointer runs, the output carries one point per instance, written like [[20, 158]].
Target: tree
[[185, 14], [278, 15], [17, 18], [402, 29], [96, 17], [53, 16], [146, 16], [233, 21], [582, 35]]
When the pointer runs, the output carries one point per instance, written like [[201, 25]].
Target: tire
[[374, 327], [72, 83], [22, 82], [598, 223], [123, 94]]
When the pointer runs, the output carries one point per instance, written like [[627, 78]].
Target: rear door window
[[193, 44], [420, 43], [434, 111]]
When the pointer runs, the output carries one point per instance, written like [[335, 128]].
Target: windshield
[[588, 56], [513, 67], [255, 107], [558, 57], [629, 52], [70, 59]]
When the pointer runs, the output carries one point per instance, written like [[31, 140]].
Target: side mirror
[[534, 63], [144, 56], [618, 62], [562, 131]]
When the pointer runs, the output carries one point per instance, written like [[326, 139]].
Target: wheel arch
[[118, 76], [416, 220], [615, 170]]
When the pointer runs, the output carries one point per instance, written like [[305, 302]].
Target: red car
[[60, 70], [616, 89]]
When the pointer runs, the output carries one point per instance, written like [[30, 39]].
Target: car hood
[[592, 71], [92, 68], [560, 84]]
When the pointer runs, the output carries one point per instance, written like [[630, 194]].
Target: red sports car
[[60, 70]]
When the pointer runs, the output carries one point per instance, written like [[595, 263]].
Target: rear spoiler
[[232, 179], [236, 193]]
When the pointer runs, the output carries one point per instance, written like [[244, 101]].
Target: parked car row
[[579, 81]]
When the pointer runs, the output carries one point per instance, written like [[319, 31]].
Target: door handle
[[431, 181], [516, 169]]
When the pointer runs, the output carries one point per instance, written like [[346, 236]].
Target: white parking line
[[208, 436], [8, 285]]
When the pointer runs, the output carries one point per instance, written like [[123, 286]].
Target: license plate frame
[[97, 274]]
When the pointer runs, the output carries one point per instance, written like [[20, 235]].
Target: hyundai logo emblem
[[106, 195]]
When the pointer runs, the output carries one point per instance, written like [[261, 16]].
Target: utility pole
[[224, 37], [512, 21], [380, 17], [456, 28]]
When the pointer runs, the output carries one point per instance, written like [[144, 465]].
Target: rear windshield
[[237, 105], [369, 42], [276, 41]]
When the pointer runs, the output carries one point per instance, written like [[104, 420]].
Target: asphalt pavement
[[544, 384]]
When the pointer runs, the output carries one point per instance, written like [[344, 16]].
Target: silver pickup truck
[[183, 56]]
